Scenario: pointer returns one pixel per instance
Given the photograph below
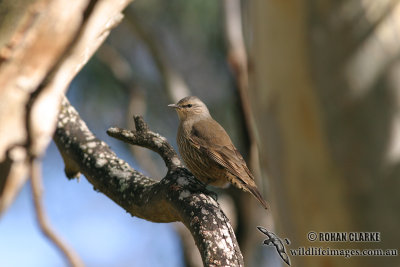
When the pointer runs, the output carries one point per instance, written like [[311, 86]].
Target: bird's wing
[[210, 138], [218, 146]]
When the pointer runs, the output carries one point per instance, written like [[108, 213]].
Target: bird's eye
[[189, 105]]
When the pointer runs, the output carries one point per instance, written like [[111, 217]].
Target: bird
[[207, 150]]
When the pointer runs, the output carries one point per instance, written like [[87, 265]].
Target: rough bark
[[177, 197], [42, 48]]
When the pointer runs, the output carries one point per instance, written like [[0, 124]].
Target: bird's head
[[190, 107]]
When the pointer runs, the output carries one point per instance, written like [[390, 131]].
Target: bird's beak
[[173, 106]]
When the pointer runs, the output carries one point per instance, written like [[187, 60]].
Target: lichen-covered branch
[[146, 138], [177, 197]]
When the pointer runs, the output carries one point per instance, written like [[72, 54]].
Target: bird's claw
[[199, 186], [212, 194]]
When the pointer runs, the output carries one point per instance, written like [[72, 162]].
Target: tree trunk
[[325, 97], [43, 45]]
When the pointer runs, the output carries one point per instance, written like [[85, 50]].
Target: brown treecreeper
[[207, 150]]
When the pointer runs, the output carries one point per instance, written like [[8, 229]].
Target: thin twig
[[36, 182]]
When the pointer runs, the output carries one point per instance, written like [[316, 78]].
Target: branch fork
[[179, 196]]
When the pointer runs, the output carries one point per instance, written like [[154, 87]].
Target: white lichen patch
[[196, 199], [184, 194], [100, 162], [220, 216], [91, 144], [126, 166], [208, 234], [211, 201], [175, 161], [225, 232], [128, 134], [204, 211], [115, 172], [182, 181], [221, 244], [157, 142], [82, 126], [124, 185]]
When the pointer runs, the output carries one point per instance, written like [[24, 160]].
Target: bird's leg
[[202, 187], [210, 193], [199, 186]]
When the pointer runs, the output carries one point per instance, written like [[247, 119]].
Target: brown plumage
[[208, 151]]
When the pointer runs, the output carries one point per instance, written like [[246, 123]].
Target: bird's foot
[[196, 185], [211, 194], [199, 186]]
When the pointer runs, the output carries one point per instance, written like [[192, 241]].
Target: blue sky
[[99, 230]]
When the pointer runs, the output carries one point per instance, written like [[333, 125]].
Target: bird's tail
[[254, 191]]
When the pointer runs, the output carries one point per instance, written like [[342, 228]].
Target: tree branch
[[36, 182], [177, 197], [46, 47], [148, 139]]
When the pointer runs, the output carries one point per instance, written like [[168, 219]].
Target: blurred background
[[307, 90]]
